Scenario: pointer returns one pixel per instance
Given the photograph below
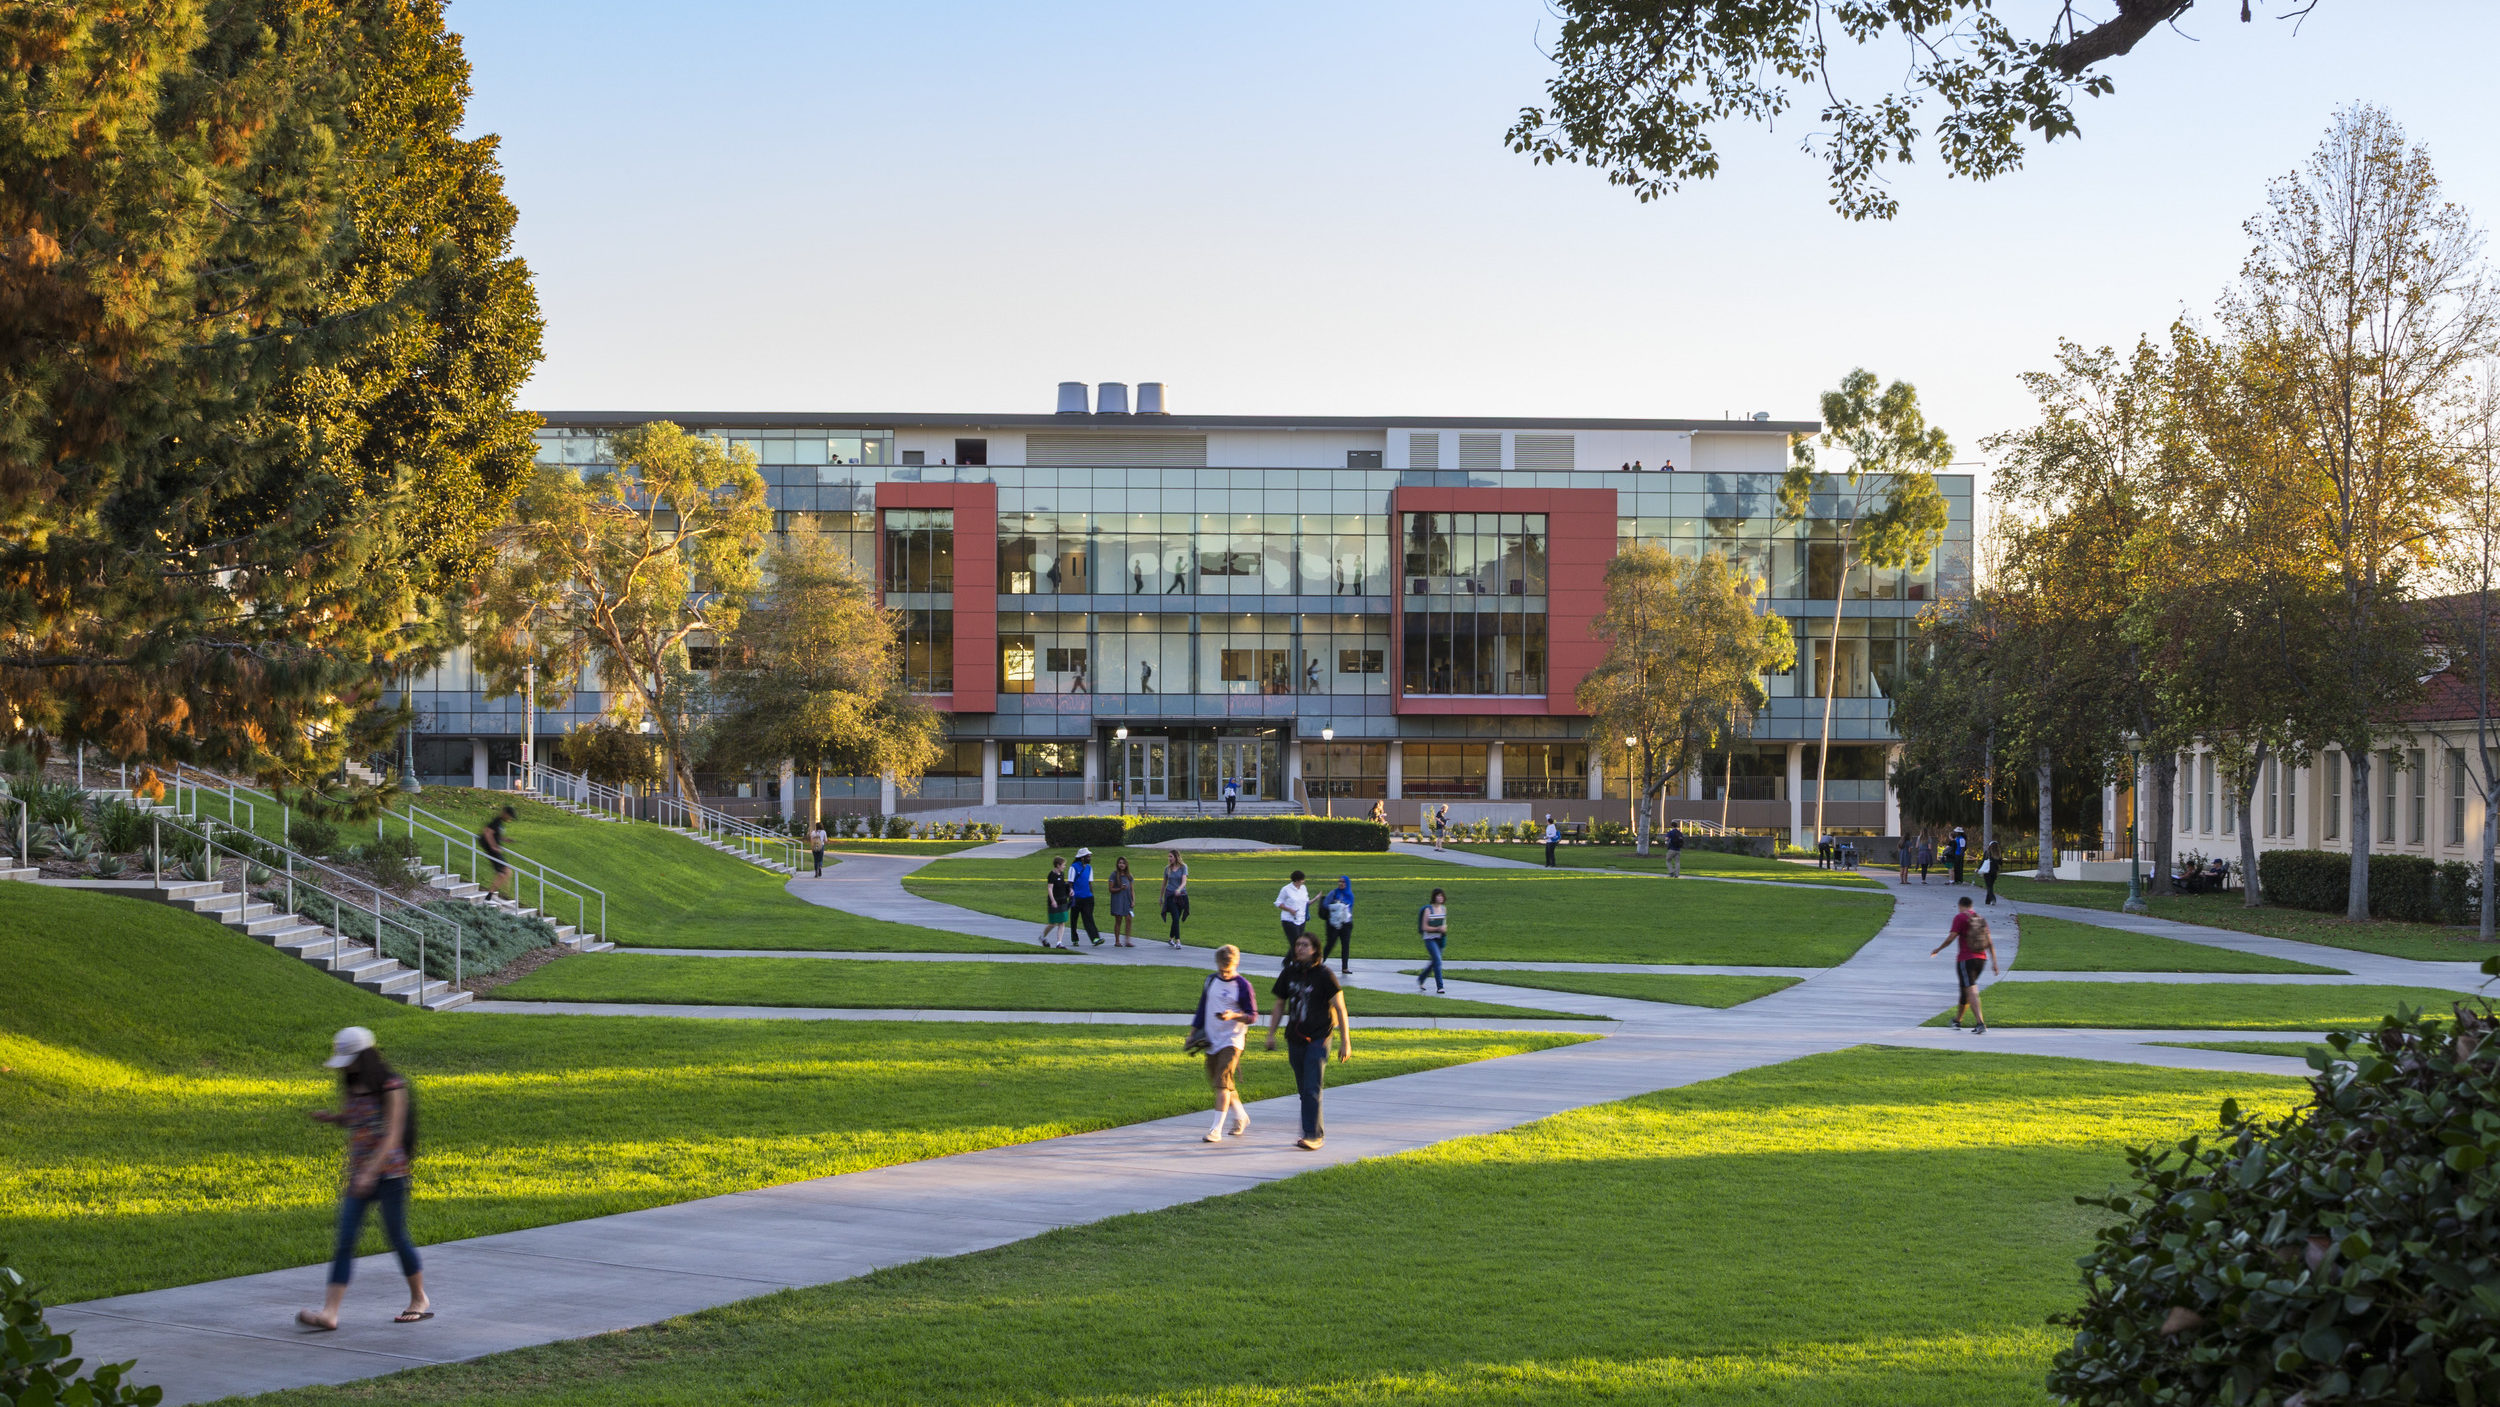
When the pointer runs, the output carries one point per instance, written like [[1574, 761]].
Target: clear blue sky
[[1307, 208]]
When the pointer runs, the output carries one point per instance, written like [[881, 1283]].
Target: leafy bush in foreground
[[2347, 1253], [35, 1366]]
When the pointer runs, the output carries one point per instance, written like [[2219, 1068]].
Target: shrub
[[311, 835], [35, 1363], [1071, 831], [2344, 1253], [1309, 832], [2408, 887], [122, 827], [1343, 833], [1757, 845], [897, 828], [488, 938], [54, 803], [109, 866]]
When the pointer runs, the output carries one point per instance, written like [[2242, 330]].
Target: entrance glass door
[[1237, 761], [1146, 769]]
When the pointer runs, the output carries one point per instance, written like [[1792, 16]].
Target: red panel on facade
[[1579, 541], [976, 584]]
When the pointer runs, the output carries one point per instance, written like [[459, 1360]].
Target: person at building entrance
[[1081, 888], [1232, 795], [1553, 837]]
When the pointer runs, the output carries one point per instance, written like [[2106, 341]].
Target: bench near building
[[1145, 606]]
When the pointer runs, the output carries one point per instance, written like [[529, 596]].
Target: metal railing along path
[[737, 834], [300, 876], [570, 788], [455, 845]]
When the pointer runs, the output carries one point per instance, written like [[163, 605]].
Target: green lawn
[[1504, 915], [1699, 862], [1695, 989], [2423, 942], [666, 891], [1875, 1226], [931, 986], [154, 1070], [2198, 1007], [2063, 945]]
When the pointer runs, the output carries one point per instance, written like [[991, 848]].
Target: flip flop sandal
[[309, 1320], [413, 1316]]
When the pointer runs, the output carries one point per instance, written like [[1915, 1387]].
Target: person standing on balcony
[[816, 845], [1081, 890], [1175, 893]]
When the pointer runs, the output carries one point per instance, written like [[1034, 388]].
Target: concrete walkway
[[609, 1273]]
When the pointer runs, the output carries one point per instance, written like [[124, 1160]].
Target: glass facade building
[[1144, 609]]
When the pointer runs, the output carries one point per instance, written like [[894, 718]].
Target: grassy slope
[[1505, 915], [1701, 862], [2297, 1050], [665, 891], [934, 986], [1699, 989], [2063, 945], [2422, 942], [2194, 1007], [1876, 1226], [898, 847], [154, 1069]]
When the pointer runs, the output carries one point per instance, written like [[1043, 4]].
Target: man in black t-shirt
[[1310, 1003]]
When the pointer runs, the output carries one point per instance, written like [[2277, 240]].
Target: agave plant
[[109, 867], [123, 826], [74, 844], [257, 874], [199, 867], [58, 803]]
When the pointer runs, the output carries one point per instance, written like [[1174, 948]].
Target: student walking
[[490, 840], [1336, 910], [1675, 850], [1553, 837], [1123, 904], [1293, 905], [1906, 854], [1977, 949], [1310, 1002], [381, 1122], [816, 846], [1057, 895], [1227, 1008], [1175, 893], [1081, 889], [1432, 923], [1990, 864], [1926, 855]]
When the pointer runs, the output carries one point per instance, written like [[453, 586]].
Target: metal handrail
[[440, 827], [672, 812], [307, 871], [573, 787]]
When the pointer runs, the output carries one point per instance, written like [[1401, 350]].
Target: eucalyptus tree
[[1883, 510]]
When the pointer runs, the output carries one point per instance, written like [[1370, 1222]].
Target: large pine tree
[[260, 332]]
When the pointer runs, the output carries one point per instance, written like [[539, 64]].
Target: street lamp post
[[1119, 783], [1326, 735], [1640, 823], [2135, 875], [408, 739]]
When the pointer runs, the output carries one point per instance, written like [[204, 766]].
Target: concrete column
[[1796, 794], [1093, 768], [887, 797], [1597, 774], [1493, 772], [1692, 784], [1892, 796], [1397, 770], [789, 789], [2110, 839], [1293, 769], [477, 763], [989, 771]]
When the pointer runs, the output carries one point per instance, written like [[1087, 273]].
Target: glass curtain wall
[[1445, 771], [1042, 554], [1545, 771], [1345, 772], [1043, 653]]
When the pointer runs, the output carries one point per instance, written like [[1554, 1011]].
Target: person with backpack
[[816, 845], [1310, 1003], [1675, 850], [1175, 893], [1990, 865], [1432, 924], [1081, 902], [380, 1116], [1977, 950], [1553, 837], [1227, 1008], [1336, 911]]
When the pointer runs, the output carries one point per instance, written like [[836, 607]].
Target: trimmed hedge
[[2412, 888], [1309, 832]]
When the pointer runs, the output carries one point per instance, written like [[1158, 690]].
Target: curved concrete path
[[615, 1272]]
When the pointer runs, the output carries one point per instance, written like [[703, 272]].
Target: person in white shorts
[[1227, 1008]]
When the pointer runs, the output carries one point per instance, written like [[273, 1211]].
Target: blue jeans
[[390, 1194], [1432, 950], [1310, 1071]]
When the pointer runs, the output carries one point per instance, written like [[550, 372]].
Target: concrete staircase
[[452, 886], [10, 869], [762, 862]]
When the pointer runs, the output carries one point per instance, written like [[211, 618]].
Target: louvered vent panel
[[1082, 448], [1423, 451], [1543, 452], [1479, 452]]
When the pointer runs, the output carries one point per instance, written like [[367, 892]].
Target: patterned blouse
[[367, 1118]]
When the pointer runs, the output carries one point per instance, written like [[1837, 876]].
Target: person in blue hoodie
[[1336, 909], [1081, 879]]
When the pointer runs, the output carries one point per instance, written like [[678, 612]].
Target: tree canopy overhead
[[1640, 85]]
